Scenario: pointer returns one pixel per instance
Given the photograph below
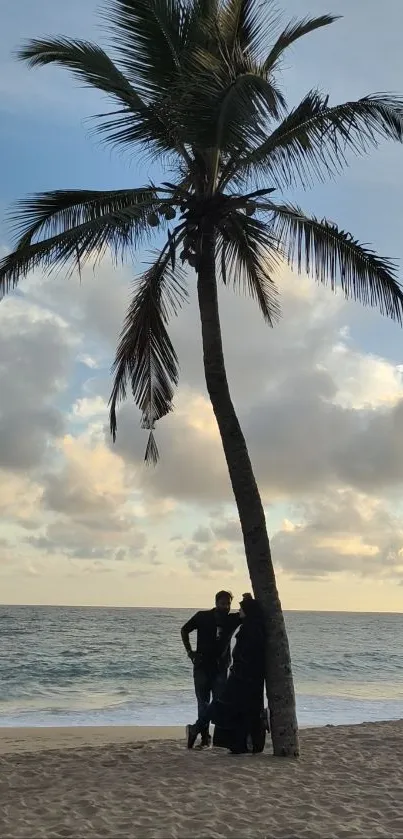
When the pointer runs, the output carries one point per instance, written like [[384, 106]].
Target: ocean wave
[[129, 665]]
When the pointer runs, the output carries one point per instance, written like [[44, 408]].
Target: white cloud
[[319, 415], [307, 398], [342, 532], [363, 380], [90, 496], [89, 362], [20, 498], [35, 361], [88, 408]]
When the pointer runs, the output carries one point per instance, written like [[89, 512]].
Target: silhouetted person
[[238, 710], [212, 656]]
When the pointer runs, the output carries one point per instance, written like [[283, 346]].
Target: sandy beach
[[143, 783]]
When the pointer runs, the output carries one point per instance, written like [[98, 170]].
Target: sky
[[320, 397]]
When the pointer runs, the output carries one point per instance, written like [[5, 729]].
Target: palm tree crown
[[196, 85]]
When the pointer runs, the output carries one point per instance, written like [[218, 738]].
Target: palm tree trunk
[[279, 681]]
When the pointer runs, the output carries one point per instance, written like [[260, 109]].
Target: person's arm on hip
[[187, 628]]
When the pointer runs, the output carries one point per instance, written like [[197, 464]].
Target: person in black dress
[[212, 656], [238, 712]]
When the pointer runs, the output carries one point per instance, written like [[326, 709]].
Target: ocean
[[103, 666]]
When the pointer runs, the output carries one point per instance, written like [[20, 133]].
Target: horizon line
[[185, 608]]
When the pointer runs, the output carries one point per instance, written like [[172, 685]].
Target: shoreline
[[16, 739], [31, 739]]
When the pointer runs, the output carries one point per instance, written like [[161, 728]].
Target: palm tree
[[195, 86]]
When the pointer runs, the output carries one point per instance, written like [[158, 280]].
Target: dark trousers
[[208, 686], [251, 727]]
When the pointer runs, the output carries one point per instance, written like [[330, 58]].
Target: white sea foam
[[127, 667]]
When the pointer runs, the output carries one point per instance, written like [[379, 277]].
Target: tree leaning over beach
[[195, 85]]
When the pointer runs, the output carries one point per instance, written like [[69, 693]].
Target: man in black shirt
[[211, 658]]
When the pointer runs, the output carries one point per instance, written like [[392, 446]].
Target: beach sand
[[144, 784]]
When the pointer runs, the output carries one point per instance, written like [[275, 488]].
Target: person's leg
[[238, 742], [257, 730], [203, 724], [216, 684], [219, 683], [202, 684], [203, 689]]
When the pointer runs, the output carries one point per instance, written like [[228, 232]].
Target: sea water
[[109, 666]]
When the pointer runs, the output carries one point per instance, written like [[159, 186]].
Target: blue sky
[[177, 527]]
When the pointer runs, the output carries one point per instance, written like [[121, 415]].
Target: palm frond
[[150, 37], [156, 133], [118, 232], [241, 23], [313, 139], [145, 357], [334, 257], [88, 63], [248, 261], [293, 31], [227, 104], [51, 213], [135, 121], [241, 110], [224, 83]]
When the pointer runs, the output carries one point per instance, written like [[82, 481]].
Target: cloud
[[202, 534], [35, 360], [229, 530], [320, 417], [67, 537], [20, 499], [6, 555], [192, 466], [208, 562], [344, 531], [314, 409], [89, 487], [210, 551], [90, 496], [88, 408], [88, 305]]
